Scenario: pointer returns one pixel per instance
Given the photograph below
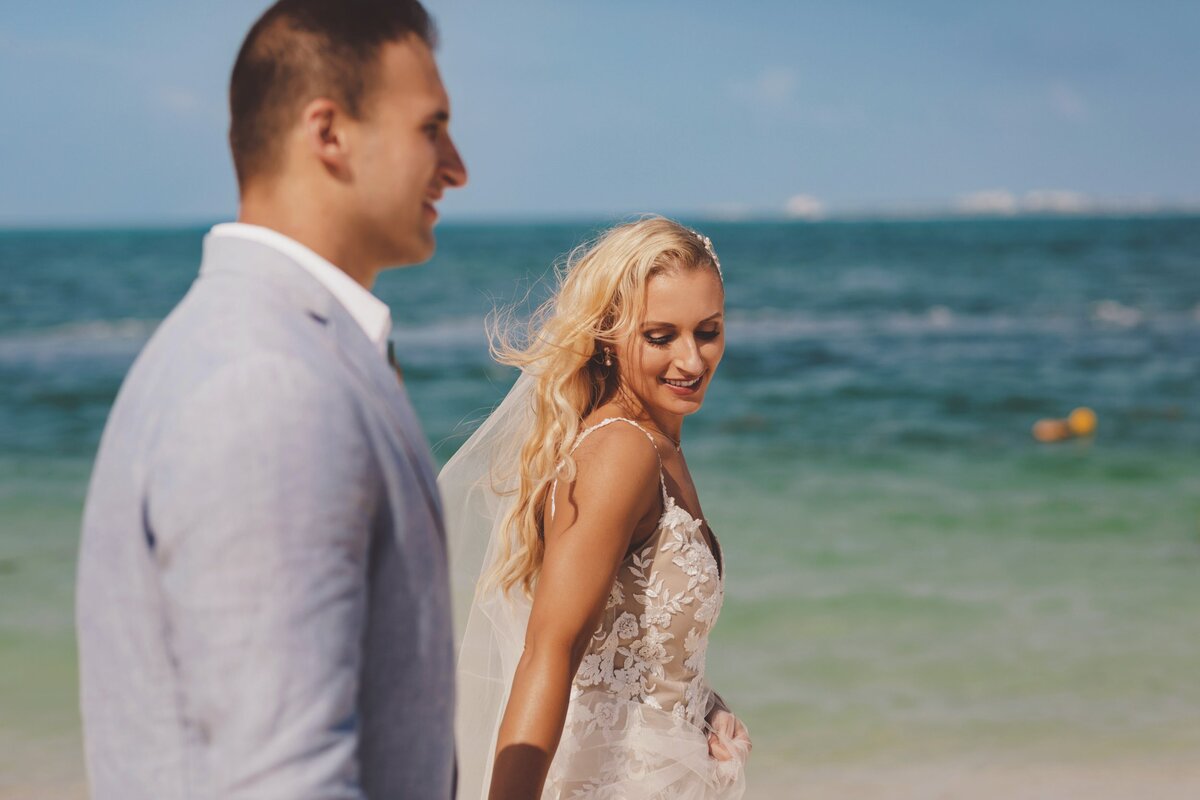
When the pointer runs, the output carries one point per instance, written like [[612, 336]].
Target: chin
[[415, 250], [425, 249], [681, 407]]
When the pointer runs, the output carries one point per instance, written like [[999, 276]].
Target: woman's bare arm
[[616, 487]]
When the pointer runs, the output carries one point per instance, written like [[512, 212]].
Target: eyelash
[[663, 341]]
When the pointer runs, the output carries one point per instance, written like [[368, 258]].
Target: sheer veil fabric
[[632, 731], [478, 486]]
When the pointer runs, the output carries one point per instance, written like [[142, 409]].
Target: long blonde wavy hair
[[599, 301]]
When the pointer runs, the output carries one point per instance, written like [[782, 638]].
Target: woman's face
[[669, 361]]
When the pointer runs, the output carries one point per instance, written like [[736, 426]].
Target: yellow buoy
[[1082, 421]]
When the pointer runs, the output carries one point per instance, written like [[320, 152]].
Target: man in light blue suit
[[263, 608]]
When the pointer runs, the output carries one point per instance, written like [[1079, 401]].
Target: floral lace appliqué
[[650, 646], [640, 694]]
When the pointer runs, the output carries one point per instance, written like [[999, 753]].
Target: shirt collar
[[371, 313]]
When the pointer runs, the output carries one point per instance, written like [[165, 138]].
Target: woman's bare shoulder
[[615, 445], [616, 475]]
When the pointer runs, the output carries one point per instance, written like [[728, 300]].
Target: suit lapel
[[371, 367], [261, 262]]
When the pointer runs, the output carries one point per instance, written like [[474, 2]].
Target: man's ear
[[325, 136]]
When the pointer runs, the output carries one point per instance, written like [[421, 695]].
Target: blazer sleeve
[[260, 499]]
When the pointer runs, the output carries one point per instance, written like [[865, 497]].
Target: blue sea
[[911, 577]]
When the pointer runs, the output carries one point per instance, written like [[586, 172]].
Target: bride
[[576, 526]]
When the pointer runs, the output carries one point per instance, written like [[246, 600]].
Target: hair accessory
[[712, 253]]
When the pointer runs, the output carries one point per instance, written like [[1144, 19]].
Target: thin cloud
[[179, 101], [1055, 201], [804, 206], [730, 212], [774, 88], [987, 201], [1002, 202], [1066, 102], [776, 91], [185, 104]]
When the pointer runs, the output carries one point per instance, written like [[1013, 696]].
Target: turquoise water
[[910, 575]]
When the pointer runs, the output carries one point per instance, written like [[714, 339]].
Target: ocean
[[912, 579]]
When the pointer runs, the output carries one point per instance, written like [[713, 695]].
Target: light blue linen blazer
[[262, 604]]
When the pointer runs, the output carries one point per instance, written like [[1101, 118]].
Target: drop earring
[[608, 356]]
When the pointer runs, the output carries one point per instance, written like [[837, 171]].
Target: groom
[[262, 602]]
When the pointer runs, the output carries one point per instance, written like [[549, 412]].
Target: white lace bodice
[[651, 642], [636, 725]]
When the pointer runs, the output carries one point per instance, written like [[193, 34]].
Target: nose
[[688, 359], [452, 169]]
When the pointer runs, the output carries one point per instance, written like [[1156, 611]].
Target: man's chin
[[427, 244], [417, 250]]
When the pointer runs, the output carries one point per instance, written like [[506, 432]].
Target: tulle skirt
[[613, 749]]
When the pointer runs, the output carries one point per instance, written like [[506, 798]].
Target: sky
[[569, 109]]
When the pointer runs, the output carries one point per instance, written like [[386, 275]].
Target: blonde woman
[[582, 668]]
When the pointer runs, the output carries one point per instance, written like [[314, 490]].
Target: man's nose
[[453, 170]]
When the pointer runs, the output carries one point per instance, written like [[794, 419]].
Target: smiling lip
[[682, 388], [431, 210]]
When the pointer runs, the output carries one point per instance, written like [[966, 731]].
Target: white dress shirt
[[371, 313]]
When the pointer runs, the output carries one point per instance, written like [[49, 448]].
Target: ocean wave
[[775, 326], [449, 333], [107, 339], [1111, 312], [936, 319], [124, 338]]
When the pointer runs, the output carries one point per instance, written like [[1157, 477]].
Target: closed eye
[[659, 341], [434, 124], [662, 340]]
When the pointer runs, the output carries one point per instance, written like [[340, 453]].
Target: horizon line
[[931, 214]]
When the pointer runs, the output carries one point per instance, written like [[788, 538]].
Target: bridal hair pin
[[712, 253]]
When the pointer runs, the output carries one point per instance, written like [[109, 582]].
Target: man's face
[[404, 158]]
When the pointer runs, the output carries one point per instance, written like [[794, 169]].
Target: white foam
[[940, 317], [869, 279], [780, 326], [124, 338], [450, 333], [77, 340], [1111, 312]]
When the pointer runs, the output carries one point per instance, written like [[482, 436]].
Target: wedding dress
[[635, 727]]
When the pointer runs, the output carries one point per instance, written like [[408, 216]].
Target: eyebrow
[[441, 115], [672, 324]]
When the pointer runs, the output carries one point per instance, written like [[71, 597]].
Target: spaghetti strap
[[662, 481]]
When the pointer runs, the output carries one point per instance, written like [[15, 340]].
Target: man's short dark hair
[[300, 50]]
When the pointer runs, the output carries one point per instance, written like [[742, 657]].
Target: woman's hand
[[727, 738]]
